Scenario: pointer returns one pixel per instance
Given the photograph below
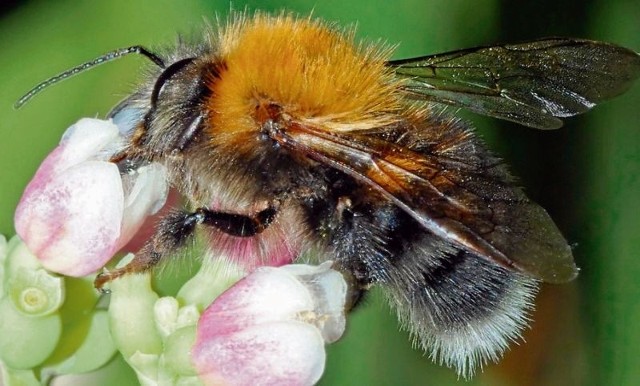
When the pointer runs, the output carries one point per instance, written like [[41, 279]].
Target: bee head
[[175, 107]]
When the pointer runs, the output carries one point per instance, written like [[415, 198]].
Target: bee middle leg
[[178, 227]]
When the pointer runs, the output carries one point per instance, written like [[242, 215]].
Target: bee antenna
[[116, 54]]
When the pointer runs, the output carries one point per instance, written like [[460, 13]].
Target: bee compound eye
[[165, 76]]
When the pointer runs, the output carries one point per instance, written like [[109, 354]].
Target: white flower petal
[[73, 221], [88, 139], [76, 212], [277, 353], [271, 327], [146, 193]]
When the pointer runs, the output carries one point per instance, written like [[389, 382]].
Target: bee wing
[[533, 83], [463, 199]]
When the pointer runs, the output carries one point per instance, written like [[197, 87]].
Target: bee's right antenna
[[87, 65]]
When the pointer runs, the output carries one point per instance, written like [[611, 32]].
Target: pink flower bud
[[78, 210], [270, 328]]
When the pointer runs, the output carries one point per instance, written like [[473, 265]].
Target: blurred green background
[[587, 174]]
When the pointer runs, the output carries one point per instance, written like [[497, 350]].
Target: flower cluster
[[223, 326], [42, 329], [78, 210]]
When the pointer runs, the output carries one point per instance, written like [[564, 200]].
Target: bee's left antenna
[[87, 65]]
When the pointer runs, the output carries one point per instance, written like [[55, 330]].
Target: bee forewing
[[453, 194], [533, 83]]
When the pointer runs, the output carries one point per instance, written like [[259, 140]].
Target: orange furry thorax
[[309, 71]]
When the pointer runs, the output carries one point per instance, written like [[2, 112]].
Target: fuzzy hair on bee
[[284, 136]]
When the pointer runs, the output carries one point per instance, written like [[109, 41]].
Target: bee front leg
[[175, 229], [172, 232], [239, 225]]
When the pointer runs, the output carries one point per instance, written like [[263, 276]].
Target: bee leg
[[175, 229], [239, 225], [172, 233]]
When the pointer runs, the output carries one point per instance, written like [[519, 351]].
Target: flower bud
[[271, 327], [78, 210]]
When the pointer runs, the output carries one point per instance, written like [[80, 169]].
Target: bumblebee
[[285, 136]]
